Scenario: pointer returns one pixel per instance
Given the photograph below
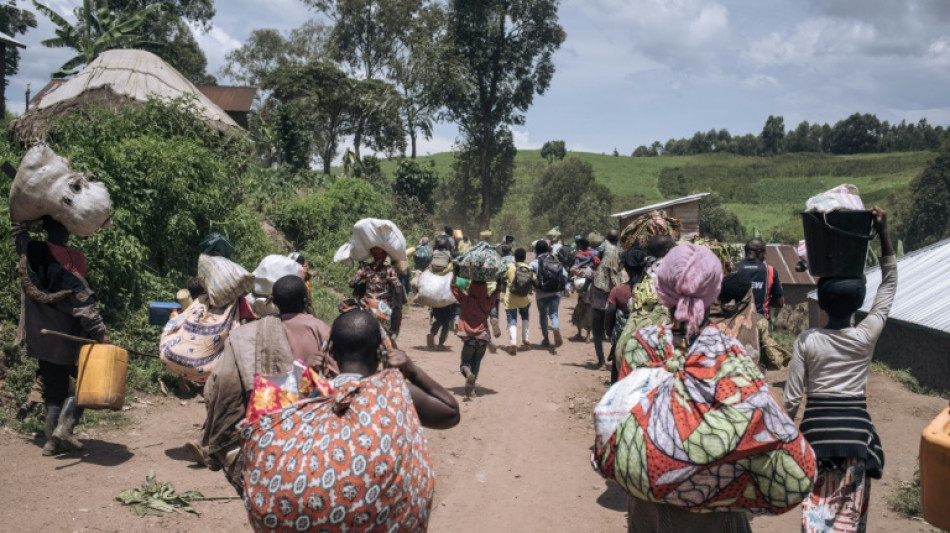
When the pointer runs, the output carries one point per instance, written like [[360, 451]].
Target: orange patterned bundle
[[270, 394], [356, 461]]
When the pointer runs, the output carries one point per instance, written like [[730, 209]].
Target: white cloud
[[810, 39], [681, 32], [216, 43], [522, 139]]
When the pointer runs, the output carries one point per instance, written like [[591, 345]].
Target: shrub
[[416, 181]]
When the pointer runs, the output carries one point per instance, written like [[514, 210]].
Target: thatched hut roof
[[118, 78]]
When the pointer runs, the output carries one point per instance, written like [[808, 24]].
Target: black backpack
[[523, 282], [566, 256], [549, 274]]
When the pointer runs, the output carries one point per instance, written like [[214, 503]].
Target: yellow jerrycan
[[100, 383], [935, 471]]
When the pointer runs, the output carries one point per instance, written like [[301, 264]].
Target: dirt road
[[518, 462]]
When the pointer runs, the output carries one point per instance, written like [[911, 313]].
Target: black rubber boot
[[51, 446], [67, 420]]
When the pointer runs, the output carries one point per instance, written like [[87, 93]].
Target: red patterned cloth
[[706, 434], [357, 461]]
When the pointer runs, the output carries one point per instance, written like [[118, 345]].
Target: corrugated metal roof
[[239, 99], [784, 258], [661, 205], [923, 288]]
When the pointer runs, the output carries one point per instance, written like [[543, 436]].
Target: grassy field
[[766, 193]]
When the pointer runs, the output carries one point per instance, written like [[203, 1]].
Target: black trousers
[[56, 381], [597, 323]]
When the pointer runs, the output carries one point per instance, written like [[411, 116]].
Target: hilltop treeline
[[857, 134]]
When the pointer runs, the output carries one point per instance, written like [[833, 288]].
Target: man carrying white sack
[[56, 297]]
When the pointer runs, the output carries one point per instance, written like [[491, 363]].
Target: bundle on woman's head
[[688, 281]]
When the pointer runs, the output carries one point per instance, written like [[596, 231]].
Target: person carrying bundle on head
[[379, 280], [56, 297]]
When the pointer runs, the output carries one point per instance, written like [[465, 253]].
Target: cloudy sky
[[635, 71]]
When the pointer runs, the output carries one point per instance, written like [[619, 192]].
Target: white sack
[[46, 185], [342, 255], [841, 197], [435, 291], [371, 232], [271, 269]]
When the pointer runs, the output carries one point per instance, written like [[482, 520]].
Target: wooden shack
[[796, 285], [685, 209]]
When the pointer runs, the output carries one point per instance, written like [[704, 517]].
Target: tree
[[365, 36], [416, 181], [265, 50], [857, 134], [928, 220], [553, 151], [170, 29], [375, 118], [14, 21], [98, 29], [502, 56], [569, 196], [462, 187], [718, 222], [415, 70], [773, 136], [322, 95]]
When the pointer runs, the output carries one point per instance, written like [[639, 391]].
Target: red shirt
[[620, 296]]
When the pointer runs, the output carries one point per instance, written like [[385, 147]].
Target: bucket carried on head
[[837, 242]]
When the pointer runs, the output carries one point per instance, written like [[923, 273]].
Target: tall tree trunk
[[485, 164], [412, 138], [327, 160], [357, 140]]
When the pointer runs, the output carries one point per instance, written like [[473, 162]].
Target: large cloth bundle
[[358, 461], [435, 291], [638, 232], [271, 269], [45, 185], [223, 280], [702, 430], [192, 341], [481, 263], [369, 233]]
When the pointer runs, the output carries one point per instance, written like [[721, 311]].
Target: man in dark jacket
[[57, 297]]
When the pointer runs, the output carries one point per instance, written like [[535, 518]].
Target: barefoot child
[[830, 367]]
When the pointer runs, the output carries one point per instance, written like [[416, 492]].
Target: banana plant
[[97, 29]]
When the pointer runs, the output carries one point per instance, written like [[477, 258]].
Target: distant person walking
[[520, 281], [476, 304], [551, 280], [378, 280], [830, 368], [606, 278], [766, 287]]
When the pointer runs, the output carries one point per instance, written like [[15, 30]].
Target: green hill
[[765, 192]]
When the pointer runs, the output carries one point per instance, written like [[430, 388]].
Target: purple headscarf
[[688, 281]]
